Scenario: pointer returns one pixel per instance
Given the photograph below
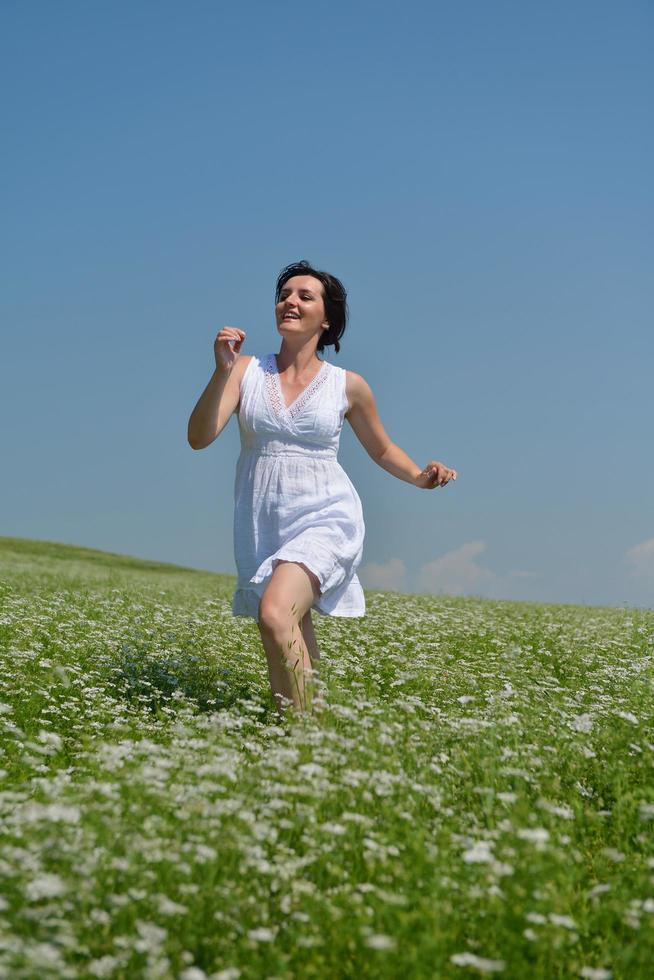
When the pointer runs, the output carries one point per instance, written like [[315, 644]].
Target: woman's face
[[300, 309]]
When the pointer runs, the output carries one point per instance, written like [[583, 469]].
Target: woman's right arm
[[220, 398]]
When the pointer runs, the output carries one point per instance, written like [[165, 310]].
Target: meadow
[[476, 798]]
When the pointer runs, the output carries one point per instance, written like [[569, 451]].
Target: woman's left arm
[[364, 419]]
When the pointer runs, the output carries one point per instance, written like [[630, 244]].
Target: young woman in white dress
[[311, 313]]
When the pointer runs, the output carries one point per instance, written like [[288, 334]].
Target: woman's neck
[[301, 360]]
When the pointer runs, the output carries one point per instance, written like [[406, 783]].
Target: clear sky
[[479, 176]]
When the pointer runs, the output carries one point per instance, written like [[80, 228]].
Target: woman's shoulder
[[344, 371], [262, 359], [357, 389], [246, 359], [241, 366], [356, 383]]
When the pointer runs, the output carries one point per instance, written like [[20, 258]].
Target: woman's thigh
[[291, 591]]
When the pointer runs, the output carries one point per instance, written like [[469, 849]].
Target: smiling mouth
[[290, 316]]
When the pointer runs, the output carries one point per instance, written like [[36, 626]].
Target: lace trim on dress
[[274, 389]]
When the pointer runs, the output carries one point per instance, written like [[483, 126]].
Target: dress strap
[[247, 380], [340, 391]]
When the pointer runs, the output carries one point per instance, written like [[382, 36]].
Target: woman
[[298, 523]]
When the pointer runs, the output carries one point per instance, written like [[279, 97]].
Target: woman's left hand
[[434, 475]]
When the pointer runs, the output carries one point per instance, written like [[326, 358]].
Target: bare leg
[[284, 604], [312, 647], [310, 640]]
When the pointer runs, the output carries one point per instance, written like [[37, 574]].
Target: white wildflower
[[582, 723], [595, 973], [562, 920], [262, 935], [44, 957], [479, 853], [536, 835], [627, 715], [333, 828], [57, 812], [106, 966], [63, 674], [312, 769], [380, 941], [166, 906], [559, 811], [151, 935], [477, 962], [50, 738], [501, 869], [45, 886]]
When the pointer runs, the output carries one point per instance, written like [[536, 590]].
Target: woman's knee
[[289, 596], [273, 616]]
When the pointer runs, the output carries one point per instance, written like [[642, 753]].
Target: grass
[[477, 797]]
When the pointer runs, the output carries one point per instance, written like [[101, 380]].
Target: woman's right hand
[[226, 355]]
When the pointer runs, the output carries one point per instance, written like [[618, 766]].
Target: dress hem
[[245, 603], [331, 615]]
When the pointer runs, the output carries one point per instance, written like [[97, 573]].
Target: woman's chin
[[286, 331]]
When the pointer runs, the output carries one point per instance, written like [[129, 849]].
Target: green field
[[476, 798]]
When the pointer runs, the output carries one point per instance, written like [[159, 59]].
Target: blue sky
[[479, 175]]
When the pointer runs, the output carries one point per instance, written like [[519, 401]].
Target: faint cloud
[[459, 573], [640, 560], [390, 576]]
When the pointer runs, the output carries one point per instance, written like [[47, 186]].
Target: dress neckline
[[306, 392]]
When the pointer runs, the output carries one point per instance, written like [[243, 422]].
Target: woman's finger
[[231, 334]]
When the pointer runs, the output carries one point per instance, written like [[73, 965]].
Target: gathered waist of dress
[[278, 447]]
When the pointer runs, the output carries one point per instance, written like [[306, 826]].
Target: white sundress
[[293, 500]]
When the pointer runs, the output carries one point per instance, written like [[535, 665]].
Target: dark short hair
[[335, 300]]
